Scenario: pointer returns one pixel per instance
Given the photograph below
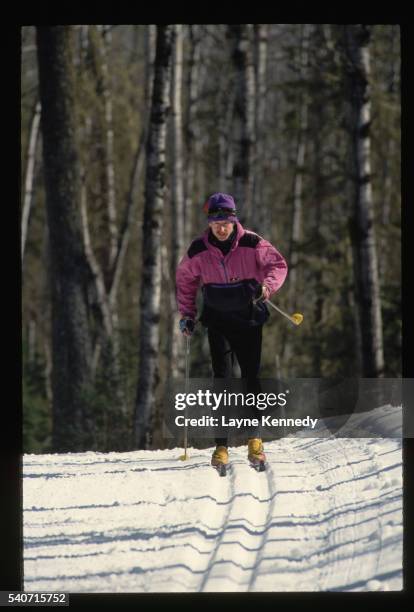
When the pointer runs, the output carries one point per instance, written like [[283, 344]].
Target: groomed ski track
[[325, 516]]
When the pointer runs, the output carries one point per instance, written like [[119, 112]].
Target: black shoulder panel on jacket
[[249, 239], [197, 246]]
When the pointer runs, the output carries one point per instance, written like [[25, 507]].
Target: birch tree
[[30, 174], [176, 349], [297, 209], [191, 128], [70, 333], [367, 289], [152, 232], [104, 47], [297, 213], [177, 211]]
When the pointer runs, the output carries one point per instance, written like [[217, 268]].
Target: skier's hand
[[263, 293], [187, 326]]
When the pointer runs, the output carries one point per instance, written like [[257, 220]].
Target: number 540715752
[[38, 598]]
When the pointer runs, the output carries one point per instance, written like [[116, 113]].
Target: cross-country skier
[[237, 271]]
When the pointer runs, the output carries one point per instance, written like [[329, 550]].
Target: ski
[[221, 468], [259, 466]]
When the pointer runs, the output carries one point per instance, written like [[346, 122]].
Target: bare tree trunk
[[318, 195], [177, 123], [262, 217], [104, 46], [243, 117], [392, 84], [296, 231], [112, 341], [191, 128], [367, 290], [71, 378], [45, 317], [99, 281], [296, 227], [30, 173], [175, 348], [152, 231]]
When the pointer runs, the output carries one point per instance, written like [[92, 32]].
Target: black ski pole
[[187, 370]]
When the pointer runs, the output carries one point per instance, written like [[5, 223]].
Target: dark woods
[[125, 132]]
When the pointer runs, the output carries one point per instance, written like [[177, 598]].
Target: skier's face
[[221, 229]]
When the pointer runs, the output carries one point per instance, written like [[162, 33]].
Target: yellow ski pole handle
[[296, 318]]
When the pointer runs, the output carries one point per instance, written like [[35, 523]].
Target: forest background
[[125, 132]]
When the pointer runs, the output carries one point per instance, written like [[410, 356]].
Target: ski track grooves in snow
[[229, 479], [342, 568], [326, 515], [236, 556]]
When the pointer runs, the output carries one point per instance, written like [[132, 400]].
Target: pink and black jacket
[[229, 282]]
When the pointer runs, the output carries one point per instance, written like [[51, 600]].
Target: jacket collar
[[239, 233]]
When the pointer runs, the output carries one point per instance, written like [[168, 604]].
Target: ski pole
[[296, 318], [187, 369]]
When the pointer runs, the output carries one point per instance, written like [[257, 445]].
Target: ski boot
[[256, 455], [220, 460]]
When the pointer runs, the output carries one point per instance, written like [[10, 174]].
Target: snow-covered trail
[[327, 515]]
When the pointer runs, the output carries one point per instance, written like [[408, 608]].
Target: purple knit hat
[[221, 207]]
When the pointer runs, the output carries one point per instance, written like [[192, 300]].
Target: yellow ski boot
[[220, 459], [256, 454]]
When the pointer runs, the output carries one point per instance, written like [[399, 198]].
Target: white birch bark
[[296, 227], [191, 129], [104, 46], [98, 277], [178, 212], [296, 231], [30, 174], [152, 232], [367, 288], [177, 129]]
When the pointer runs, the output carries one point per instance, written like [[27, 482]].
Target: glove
[[263, 293], [187, 326]]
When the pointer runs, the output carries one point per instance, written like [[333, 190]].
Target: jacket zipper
[[221, 261], [225, 271]]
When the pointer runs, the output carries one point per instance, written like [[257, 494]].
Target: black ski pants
[[246, 345]]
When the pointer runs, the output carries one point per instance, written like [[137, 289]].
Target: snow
[[325, 516]]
